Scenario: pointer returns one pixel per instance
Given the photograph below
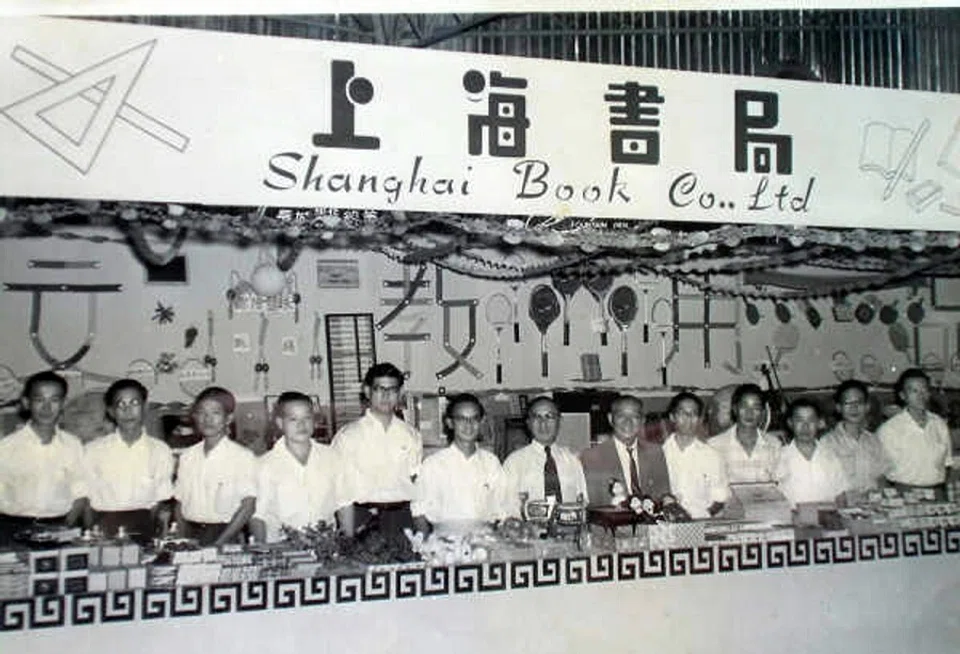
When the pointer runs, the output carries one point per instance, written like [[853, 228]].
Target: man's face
[[465, 422], [916, 393], [127, 408], [805, 424], [626, 417], [686, 418], [720, 408], [211, 418], [853, 406], [543, 421], [383, 394], [45, 404], [749, 411], [296, 422]]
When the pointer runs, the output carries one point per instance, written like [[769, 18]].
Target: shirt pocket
[[224, 498]]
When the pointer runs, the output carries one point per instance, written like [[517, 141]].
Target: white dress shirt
[[453, 487], [760, 465], [211, 485], [524, 473], [298, 494], [819, 479], [698, 477], [37, 480], [917, 455], [380, 463], [123, 477]]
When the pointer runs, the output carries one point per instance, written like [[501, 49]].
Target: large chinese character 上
[[506, 119], [636, 106], [754, 113]]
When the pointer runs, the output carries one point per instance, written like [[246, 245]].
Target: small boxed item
[[762, 502]]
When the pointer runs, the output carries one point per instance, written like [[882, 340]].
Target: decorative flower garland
[[476, 245]]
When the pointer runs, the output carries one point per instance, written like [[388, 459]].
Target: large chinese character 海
[[755, 112], [636, 106], [506, 119]]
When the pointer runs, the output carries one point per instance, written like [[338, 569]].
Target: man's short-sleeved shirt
[[211, 485], [40, 480]]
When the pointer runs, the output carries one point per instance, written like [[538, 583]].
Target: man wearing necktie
[[543, 468], [626, 457]]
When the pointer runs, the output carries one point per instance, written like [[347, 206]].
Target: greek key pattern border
[[384, 583]]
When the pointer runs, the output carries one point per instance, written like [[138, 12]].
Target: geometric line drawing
[[106, 85]]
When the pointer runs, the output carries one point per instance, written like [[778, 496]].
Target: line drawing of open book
[[883, 149]]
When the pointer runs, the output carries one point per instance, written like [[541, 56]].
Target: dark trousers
[[390, 518], [138, 524], [11, 525]]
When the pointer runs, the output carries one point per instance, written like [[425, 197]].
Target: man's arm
[[78, 512], [240, 518]]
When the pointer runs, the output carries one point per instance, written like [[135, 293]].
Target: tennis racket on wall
[[544, 309], [568, 287], [598, 287], [623, 308], [499, 313]]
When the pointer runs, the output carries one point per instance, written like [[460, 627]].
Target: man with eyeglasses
[[858, 449], [129, 472], [463, 484], [543, 469], [381, 455]]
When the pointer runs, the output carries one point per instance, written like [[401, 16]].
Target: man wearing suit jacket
[[625, 457]]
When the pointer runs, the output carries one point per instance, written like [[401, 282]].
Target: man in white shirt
[[916, 441], [381, 455], [216, 485], [299, 480], [462, 484], [129, 472], [543, 468], [626, 456], [808, 471], [698, 477], [749, 453], [42, 479]]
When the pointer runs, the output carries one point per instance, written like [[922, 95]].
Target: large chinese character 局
[[755, 113], [505, 122], [636, 106]]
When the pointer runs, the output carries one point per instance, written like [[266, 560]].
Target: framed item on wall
[[174, 272], [945, 293]]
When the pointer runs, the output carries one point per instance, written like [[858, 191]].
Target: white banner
[[115, 111]]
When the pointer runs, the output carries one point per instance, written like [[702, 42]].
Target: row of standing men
[[373, 475]]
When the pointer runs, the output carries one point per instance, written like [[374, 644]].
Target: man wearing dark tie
[[626, 457], [543, 468]]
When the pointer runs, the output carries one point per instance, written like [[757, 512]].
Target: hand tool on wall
[[567, 285], [544, 309], [623, 308]]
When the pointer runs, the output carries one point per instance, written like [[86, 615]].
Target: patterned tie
[[551, 479], [634, 472]]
